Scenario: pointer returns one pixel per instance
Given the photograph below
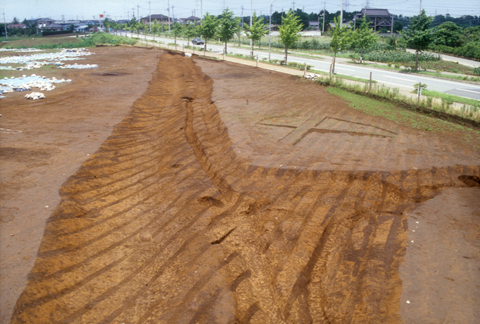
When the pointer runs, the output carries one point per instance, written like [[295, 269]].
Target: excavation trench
[[167, 223]]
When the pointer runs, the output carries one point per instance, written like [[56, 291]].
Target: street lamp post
[[270, 31]]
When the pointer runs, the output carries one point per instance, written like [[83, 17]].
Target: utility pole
[[173, 15], [251, 15], [168, 9], [391, 32], [293, 6], [150, 15], [270, 30], [239, 35], [420, 7], [5, 25], [201, 9], [324, 6], [341, 15], [138, 11]]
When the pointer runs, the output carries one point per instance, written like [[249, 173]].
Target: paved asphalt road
[[389, 78]]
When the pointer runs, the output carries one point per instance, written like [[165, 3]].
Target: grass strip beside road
[[449, 97]]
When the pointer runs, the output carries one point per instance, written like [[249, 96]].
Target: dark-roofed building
[[190, 20], [314, 24], [16, 26], [55, 27], [379, 18], [156, 18]]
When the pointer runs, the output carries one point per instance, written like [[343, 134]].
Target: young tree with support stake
[[364, 37], [228, 26], [341, 39], [289, 31], [257, 30], [418, 36], [189, 32], [155, 27], [208, 28], [177, 31]]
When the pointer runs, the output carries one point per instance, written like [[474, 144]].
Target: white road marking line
[[398, 85], [477, 92], [398, 78]]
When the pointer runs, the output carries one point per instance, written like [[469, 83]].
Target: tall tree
[[289, 31], [209, 28], [364, 37], [228, 26], [341, 39], [447, 34], [257, 30], [418, 35]]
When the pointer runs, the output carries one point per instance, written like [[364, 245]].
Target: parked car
[[197, 41]]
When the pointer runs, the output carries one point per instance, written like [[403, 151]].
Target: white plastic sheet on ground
[[79, 66], [26, 83], [38, 60]]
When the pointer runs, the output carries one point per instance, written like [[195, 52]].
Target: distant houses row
[[379, 18]]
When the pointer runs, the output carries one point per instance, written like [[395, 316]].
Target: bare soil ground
[[230, 194], [44, 142]]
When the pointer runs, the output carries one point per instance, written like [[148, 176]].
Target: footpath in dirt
[[231, 194]]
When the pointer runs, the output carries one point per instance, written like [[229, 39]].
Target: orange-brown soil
[[203, 208]]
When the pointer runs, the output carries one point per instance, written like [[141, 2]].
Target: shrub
[[399, 56]]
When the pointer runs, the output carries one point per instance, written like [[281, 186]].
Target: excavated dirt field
[[230, 194]]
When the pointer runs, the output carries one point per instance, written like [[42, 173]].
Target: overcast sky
[[122, 9]]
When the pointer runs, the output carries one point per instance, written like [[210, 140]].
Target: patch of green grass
[[449, 76], [449, 97], [71, 42], [390, 111]]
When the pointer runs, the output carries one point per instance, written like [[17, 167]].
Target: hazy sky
[[122, 9]]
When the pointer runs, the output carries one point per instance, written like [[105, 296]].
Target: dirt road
[[231, 194]]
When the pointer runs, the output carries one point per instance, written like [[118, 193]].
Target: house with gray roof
[[379, 18], [156, 18]]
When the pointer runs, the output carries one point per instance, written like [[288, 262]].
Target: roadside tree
[[257, 30], [289, 31], [341, 39], [209, 28], [189, 32], [364, 37], [177, 31], [418, 36], [228, 26]]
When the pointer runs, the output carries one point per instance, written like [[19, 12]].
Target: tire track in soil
[[166, 223]]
